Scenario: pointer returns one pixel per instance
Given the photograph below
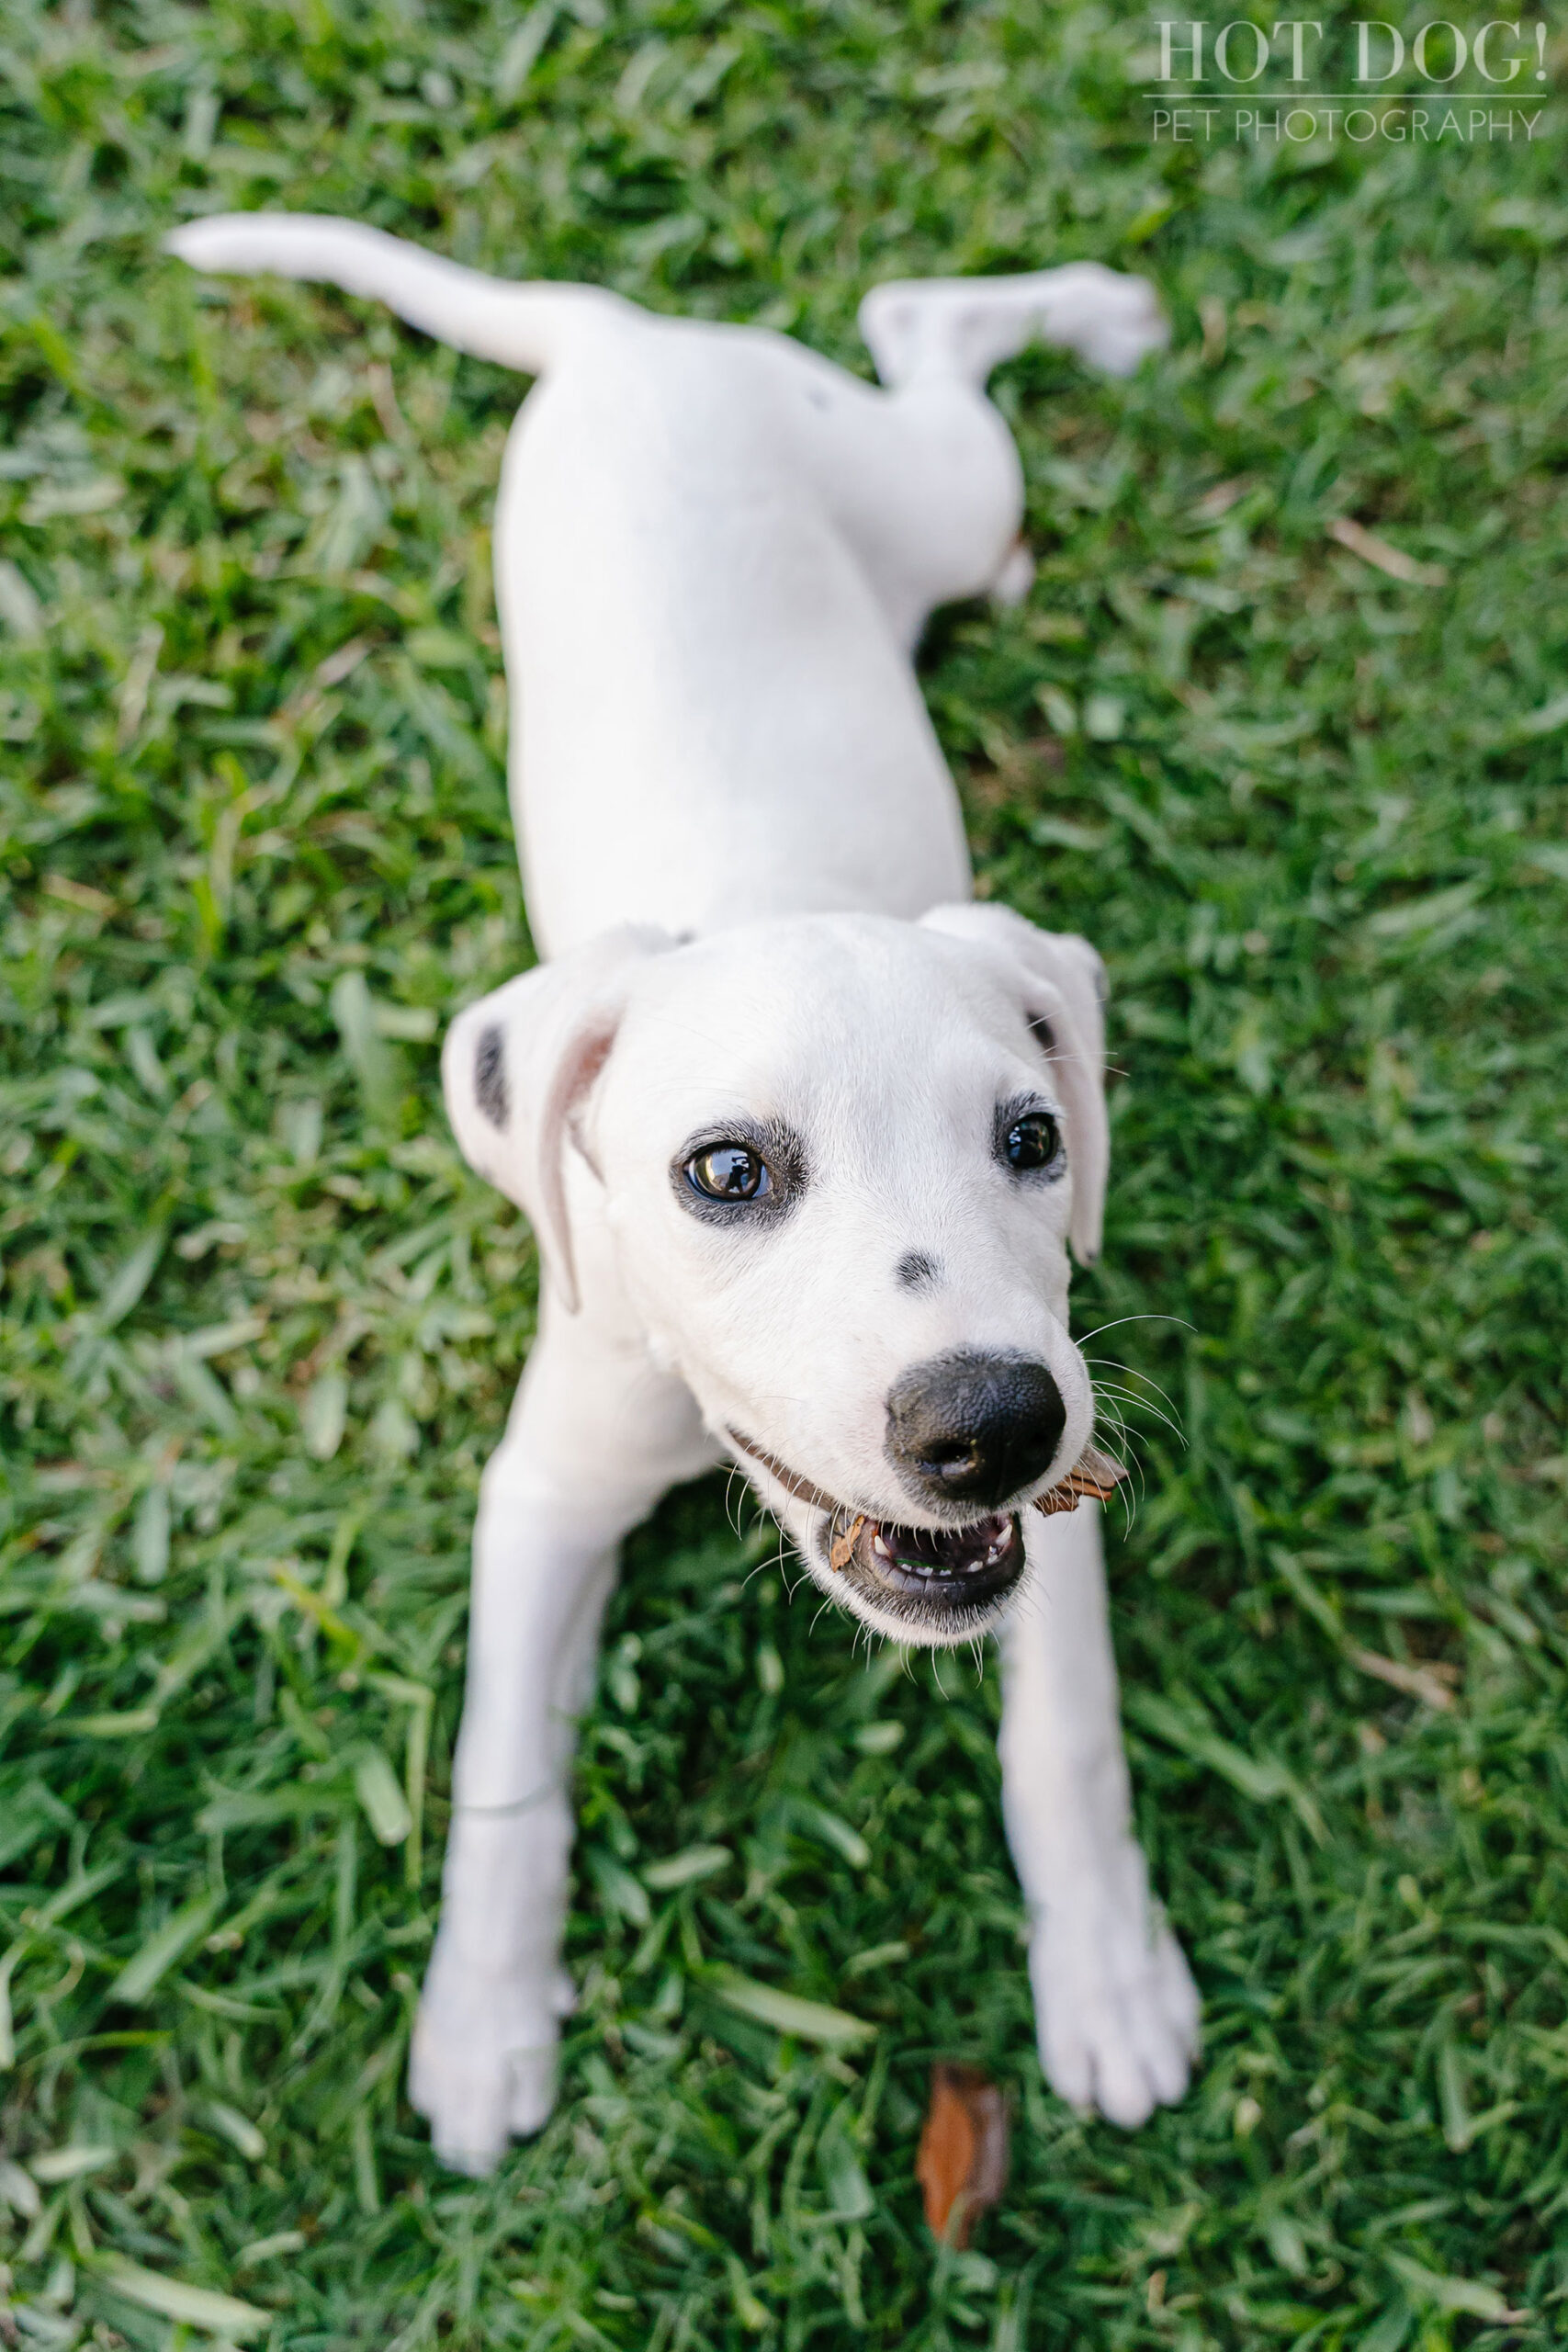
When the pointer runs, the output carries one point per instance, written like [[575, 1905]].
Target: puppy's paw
[[1116, 2007], [483, 2063], [1110, 320], [1016, 578]]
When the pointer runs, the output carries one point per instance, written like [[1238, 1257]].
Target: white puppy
[[803, 1133]]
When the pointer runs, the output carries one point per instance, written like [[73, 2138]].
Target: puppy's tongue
[[935, 1561]]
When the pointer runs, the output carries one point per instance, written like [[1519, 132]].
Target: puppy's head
[[837, 1161]]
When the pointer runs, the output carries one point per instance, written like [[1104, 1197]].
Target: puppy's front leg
[[595, 1436], [1116, 2009]]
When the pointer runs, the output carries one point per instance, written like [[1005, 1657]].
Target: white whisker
[[1135, 1372], [1180, 1320], [1113, 1388]]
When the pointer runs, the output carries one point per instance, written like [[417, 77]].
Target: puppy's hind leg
[[925, 329], [1116, 2010], [594, 1438], [926, 482]]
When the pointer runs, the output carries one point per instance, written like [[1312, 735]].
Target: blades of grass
[[243, 1809], [199, 2307], [268, 2250], [79, 1888], [419, 1700], [345, 1898], [373, 1061], [151, 1541], [134, 1722], [57, 2165], [618, 1889], [316, 1608], [1429, 2290], [128, 1285], [1262, 1779], [142, 1974], [366, 2188], [685, 1869], [833, 1830], [19, 2190], [787, 2013], [323, 1415], [386, 1807], [34, 1814], [237, 2129]]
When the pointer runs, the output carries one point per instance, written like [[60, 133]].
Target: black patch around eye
[[1028, 1139], [489, 1075], [748, 1172]]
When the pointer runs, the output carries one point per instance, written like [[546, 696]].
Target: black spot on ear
[[489, 1075], [915, 1268]]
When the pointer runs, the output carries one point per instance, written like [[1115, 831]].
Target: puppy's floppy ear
[[1063, 988], [517, 1068]]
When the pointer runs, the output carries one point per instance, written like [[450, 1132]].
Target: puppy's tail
[[520, 326]]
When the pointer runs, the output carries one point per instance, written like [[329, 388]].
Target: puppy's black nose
[[974, 1429]]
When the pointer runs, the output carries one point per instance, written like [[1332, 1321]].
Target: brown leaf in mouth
[[962, 2166], [1094, 1474], [843, 1544]]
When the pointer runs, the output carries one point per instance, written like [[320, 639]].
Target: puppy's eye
[[1032, 1141], [728, 1172]]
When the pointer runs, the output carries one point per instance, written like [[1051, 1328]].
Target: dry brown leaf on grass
[[1429, 1683], [962, 2165], [1383, 557], [78, 894]]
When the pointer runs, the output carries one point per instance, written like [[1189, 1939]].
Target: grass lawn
[[258, 1326]]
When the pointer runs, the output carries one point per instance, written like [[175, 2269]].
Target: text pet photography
[[1501, 54]]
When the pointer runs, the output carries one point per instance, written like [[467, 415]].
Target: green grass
[[258, 1325]]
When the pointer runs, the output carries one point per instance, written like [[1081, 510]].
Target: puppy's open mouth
[[937, 1567], [929, 1574]]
